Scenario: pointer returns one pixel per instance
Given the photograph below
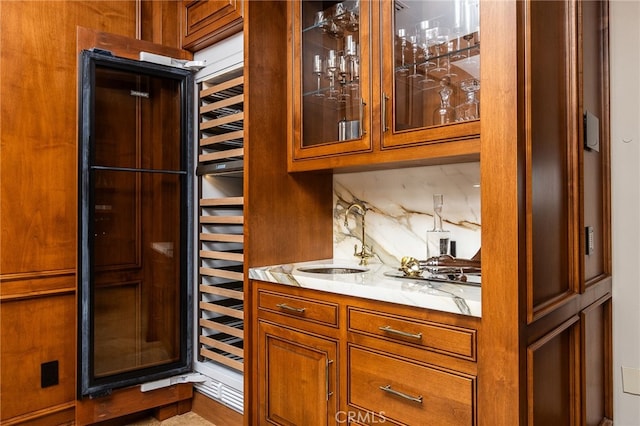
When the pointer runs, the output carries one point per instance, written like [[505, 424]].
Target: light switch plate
[[631, 380]]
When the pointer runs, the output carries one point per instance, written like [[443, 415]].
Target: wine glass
[[332, 66], [402, 35], [319, 20], [343, 72], [477, 42], [471, 22], [427, 42], [351, 56], [413, 41], [457, 32], [445, 113], [470, 108], [354, 83], [350, 46], [450, 54], [317, 70], [468, 38], [441, 39]]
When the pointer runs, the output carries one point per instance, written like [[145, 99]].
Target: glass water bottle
[[437, 238]]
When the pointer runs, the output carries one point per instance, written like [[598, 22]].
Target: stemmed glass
[[427, 41], [441, 40], [450, 52], [457, 34], [477, 43], [402, 35], [413, 40], [343, 71], [332, 66], [471, 19], [354, 82], [468, 38], [445, 113], [470, 108], [317, 70]]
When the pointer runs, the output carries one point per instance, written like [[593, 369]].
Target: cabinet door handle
[[329, 393], [388, 329], [290, 308], [388, 389], [385, 98], [362, 105]]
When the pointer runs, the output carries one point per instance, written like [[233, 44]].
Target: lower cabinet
[[403, 391], [298, 376], [327, 359]]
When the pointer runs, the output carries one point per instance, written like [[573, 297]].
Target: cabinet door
[[298, 377], [208, 21], [329, 60], [431, 71]]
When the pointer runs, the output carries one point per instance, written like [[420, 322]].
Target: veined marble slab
[[400, 210], [374, 284]]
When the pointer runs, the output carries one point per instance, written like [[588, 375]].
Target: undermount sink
[[329, 269]]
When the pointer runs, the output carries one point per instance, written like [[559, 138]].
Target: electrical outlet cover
[[631, 380]]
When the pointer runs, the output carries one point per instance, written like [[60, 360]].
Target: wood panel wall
[[546, 318], [38, 196]]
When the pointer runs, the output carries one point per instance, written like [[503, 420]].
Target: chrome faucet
[[367, 251]]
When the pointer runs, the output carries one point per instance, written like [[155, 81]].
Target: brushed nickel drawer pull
[[362, 105], [290, 308], [385, 99], [388, 389], [388, 329]]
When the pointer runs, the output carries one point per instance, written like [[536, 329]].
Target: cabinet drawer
[[299, 307], [456, 341], [409, 393]]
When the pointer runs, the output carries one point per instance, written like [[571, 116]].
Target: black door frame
[[87, 384]]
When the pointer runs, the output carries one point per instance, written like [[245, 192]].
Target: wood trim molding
[[128, 401], [62, 414], [215, 412], [39, 284], [124, 46]]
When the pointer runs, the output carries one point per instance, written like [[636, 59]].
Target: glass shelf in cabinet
[[469, 63], [344, 15], [320, 94]]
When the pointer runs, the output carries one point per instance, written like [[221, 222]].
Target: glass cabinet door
[[435, 70], [328, 58], [135, 223]]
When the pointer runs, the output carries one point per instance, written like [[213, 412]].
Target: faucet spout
[[366, 252]]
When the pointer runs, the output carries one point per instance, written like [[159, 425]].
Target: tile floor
[[187, 419]]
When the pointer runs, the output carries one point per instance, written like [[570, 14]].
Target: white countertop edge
[[373, 284]]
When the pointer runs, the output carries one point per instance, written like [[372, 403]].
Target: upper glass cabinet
[[331, 103], [367, 77], [436, 63]]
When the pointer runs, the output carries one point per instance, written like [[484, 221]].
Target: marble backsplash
[[399, 206]]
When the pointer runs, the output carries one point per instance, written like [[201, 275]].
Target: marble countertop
[[376, 284]]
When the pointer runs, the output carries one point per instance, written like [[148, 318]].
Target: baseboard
[[63, 414], [215, 412], [129, 401]]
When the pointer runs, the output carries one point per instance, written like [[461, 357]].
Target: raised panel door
[[207, 21], [299, 377]]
